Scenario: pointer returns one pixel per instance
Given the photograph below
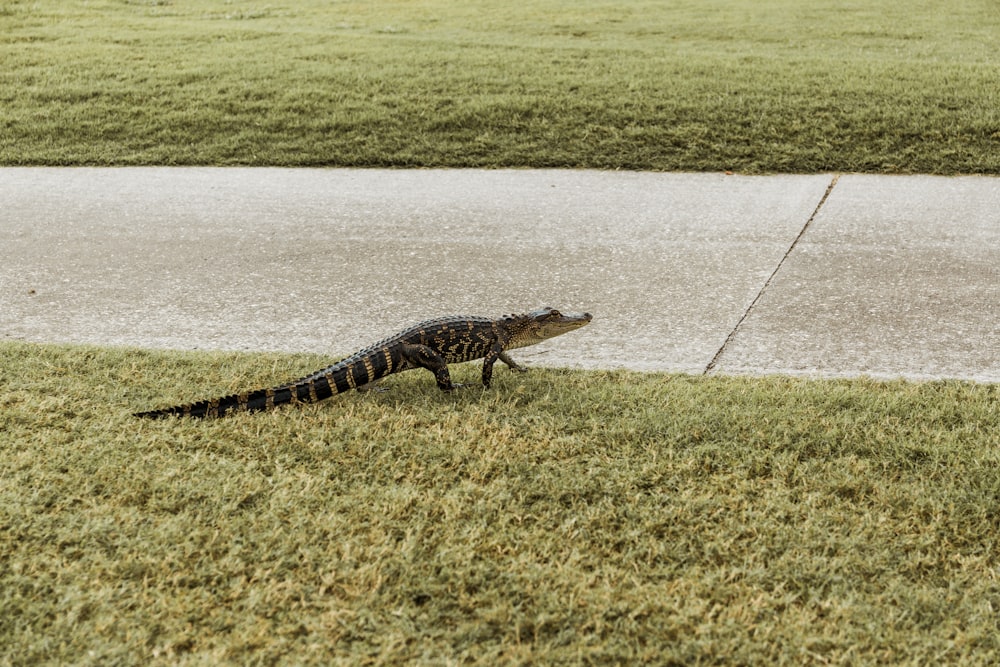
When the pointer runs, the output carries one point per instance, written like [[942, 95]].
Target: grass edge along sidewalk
[[726, 85], [563, 515]]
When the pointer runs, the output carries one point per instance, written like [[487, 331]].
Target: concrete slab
[[896, 276], [330, 260]]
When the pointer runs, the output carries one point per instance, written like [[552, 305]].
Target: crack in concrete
[[767, 283]]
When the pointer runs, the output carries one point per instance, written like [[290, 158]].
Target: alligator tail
[[303, 391], [352, 373]]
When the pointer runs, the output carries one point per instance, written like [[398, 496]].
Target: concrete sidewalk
[[833, 276]]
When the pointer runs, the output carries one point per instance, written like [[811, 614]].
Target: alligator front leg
[[513, 365], [496, 352], [426, 357]]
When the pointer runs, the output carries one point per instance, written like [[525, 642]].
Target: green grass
[[779, 86], [574, 517]]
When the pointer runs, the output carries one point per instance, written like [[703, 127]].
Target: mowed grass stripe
[[720, 85], [606, 517]]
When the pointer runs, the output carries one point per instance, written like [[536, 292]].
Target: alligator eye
[[555, 313]]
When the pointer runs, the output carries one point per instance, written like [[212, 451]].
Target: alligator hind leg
[[426, 357]]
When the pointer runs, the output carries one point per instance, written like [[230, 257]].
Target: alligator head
[[542, 324]]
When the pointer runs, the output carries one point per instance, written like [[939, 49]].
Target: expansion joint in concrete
[[767, 283]]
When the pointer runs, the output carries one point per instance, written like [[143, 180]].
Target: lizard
[[431, 344]]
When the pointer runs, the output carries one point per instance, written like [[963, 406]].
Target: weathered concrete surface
[[328, 260], [893, 277]]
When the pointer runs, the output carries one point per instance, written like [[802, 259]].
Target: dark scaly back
[[455, 338]]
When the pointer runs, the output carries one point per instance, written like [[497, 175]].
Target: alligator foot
[[373, 387]]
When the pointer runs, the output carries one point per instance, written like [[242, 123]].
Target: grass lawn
[[573, 517], [778, 86]]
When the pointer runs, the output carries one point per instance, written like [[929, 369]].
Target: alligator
[[431, 344]]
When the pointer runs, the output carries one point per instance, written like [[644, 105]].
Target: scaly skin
[[432, 344]]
